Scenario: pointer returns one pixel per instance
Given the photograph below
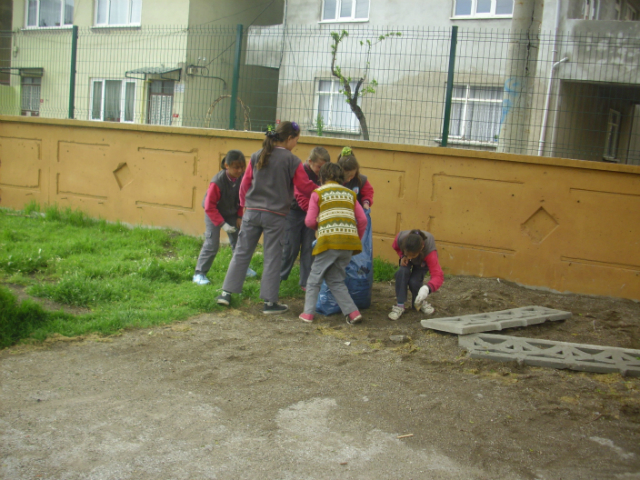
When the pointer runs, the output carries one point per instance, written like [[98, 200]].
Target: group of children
[[314, 209]]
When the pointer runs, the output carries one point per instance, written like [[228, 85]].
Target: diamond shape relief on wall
[[539, 225]]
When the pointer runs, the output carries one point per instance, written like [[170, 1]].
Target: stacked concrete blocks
[[546, 353], [484, 322]]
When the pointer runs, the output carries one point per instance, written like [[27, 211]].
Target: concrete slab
[[485, 322], [545, 353]]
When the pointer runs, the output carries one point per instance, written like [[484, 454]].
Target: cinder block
[[545, 353], [485, 322]]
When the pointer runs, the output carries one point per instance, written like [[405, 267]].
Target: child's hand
[[423, 293], [366, 205], [404, 261], [228, 228]]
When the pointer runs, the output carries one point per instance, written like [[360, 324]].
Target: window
[[476, 113], [30, 96], [160, 102], [49, 13], [590, 9], [483, 8], [334, 109], [118, 12], [613, 129], [112, 100], [345, 10], [630, 13]]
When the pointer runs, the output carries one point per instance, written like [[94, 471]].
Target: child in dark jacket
[[353, 179], [418, 255], [222, 212], [298, 237], [341, 222], [266, 193]]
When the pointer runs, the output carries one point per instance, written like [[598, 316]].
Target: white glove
[[228, 228], [422, 297]]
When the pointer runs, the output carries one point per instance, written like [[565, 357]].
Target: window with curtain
[[113, 100], [590, 9], [476, 113], [483, 8], [30, 96], [345, 10], [49, 13], [334, 109], [160, 102], [118, 12]]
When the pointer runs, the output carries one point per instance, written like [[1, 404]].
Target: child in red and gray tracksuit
[[266, 193], [418, 255]]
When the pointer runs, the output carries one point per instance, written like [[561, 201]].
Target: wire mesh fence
[[574, 95]]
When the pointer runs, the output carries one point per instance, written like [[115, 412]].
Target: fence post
[[236, 77], [72, 77], [449, 94]]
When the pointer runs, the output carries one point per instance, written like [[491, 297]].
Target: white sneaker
[[396, 312], [426, 308], [200, 279], [251, 273]]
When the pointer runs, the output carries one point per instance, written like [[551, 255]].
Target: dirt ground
[[239, 395]]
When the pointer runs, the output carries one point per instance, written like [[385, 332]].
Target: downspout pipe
[[545, 116], [554, 64]]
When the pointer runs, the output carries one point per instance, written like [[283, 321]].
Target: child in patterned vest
[[337, 215]]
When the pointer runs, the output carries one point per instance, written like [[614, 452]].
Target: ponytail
[[413, 242], [283, 132]]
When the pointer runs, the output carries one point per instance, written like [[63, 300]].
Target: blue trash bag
[[359, 278]]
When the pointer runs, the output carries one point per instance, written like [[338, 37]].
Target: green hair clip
[[346, 151]]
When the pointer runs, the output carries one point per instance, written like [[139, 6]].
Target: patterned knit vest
[[337, 228]]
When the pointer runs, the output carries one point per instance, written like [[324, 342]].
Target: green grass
[[383, 271], [125, 277]]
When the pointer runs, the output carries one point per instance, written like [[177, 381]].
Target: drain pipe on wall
[[554, 64]]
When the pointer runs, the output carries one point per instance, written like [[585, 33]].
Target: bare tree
[[360, 89]]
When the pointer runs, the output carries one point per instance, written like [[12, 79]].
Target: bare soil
[[242, 395]]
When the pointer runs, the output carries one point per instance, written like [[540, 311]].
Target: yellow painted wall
[[567, 225]]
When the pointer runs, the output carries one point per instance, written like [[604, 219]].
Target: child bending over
[[418, 255], [222, 212], [353, 179], [298, 237], [341, 222]]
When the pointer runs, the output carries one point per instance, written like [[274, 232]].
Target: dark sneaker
[[270, 308], [224, 298]]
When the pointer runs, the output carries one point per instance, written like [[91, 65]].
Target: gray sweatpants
[[298, 238], [211, 245], [330, 266], [254, 224]]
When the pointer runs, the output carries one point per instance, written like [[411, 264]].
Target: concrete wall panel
[[567, 225]]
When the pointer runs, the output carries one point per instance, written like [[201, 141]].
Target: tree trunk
[[355, 108]]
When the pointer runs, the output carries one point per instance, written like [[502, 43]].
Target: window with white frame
[[118, 12], [483, 8], [345, 10], [613, 130], [30, 96], [332, 106], [49, 13], [112, 100], [590, 9], [475, 113]]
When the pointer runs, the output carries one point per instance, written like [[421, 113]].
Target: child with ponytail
[[418, 256], [266, 193], [353, 179]]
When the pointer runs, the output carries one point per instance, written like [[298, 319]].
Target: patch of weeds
[[383, 271]]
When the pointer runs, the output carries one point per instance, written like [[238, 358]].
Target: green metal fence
[[573, 95]]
